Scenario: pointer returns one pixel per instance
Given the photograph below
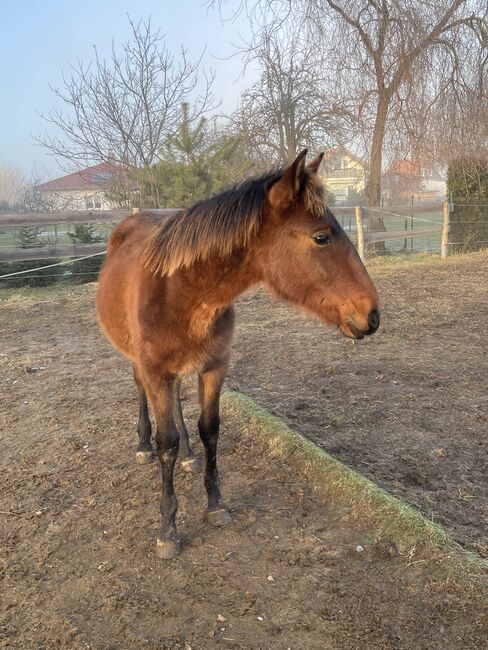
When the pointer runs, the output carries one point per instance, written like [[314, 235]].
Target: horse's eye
[[321, 238]]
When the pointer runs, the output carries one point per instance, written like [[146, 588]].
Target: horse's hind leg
[[188, 461], [209, 387], [145, 453]]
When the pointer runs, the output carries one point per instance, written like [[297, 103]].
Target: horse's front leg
[[188, 462], [210, 382], [145, 453], [161, 394]]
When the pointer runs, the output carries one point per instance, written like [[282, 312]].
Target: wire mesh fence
[[394, 230], [50, 271], [468, 228], [54, 234], [421, 227], [27, 248]]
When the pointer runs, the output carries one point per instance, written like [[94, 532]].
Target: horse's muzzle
[[352, 331], [373, 321]]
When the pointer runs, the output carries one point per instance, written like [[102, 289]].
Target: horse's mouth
[[350, 330]]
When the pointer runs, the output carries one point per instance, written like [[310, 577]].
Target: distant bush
[[37, 279], [467, 188], [467, 181], [28, 237], [355, 198], [85, 270]]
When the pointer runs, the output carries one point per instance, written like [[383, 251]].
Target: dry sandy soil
[[408, 408]]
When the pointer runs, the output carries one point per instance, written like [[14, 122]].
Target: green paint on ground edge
[[355, 496]]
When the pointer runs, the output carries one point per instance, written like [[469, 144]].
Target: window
[[102, 177]]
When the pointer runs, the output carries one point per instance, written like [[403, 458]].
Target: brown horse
[[166, 292]]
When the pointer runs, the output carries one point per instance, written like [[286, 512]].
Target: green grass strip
[[355, 497]]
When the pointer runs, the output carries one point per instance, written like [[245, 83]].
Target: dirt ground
[[78, 519], [407, 407]]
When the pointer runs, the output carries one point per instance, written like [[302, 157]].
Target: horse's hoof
[[168, 549], [190, 465], [218, 517], [145, 457]]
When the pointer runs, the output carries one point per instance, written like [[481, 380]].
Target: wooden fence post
[[445, 231], [358, 211]]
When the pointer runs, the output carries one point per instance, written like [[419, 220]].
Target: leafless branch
[[124, 108], [396, 65]]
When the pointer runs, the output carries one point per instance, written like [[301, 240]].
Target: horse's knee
[[167, 444], [167, 454], [209, 427]]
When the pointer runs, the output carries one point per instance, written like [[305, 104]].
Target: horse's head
[[306, 258]]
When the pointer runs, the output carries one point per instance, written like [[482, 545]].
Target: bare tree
[[392, 40], [20, 193], [458, 124], [11, 180], [32, 199], [287, 109], [122, 110], [378, 51]]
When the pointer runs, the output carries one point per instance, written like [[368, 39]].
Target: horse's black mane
[[218, 225]]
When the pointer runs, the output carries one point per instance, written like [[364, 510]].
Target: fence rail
[[390, 235], [63, 217], [437, 227], [70, 217], [49, 252], [395, 223], [66, 216]]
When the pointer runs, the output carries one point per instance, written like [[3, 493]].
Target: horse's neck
[[217, 284]]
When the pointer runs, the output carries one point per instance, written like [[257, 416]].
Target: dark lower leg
[[167, 445], [188, 460], [167, 450], [145, 451], [210, 384]]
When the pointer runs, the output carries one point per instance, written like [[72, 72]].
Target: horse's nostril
[[373, 321]]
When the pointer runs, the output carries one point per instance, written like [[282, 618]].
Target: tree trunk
[[373, 186]]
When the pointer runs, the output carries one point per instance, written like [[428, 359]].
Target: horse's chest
[[186, 347]]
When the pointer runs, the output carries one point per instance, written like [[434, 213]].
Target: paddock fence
[[393, 230], [40, 248]]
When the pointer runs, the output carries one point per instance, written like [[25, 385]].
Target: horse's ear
[[284, 192], [314, 164]]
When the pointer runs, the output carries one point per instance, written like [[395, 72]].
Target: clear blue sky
[[41, 37]]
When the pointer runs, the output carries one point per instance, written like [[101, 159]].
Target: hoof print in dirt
[[191, 465], [145, 457], [220, 517], [168, 549]]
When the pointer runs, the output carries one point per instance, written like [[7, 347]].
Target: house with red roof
[[416, 182], [83, 190], [344, 174]]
